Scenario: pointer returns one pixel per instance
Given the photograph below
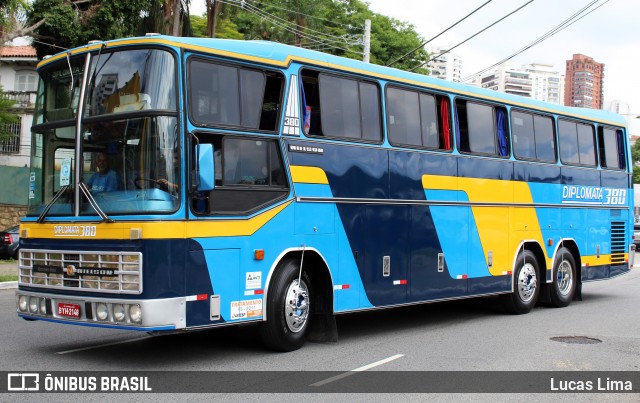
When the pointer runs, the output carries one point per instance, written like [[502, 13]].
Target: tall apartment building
[[447, 66], [535, 80], [506, 78], [584, 82], [546, 84]]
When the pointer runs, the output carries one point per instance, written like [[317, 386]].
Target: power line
[[563, 25], [307, 15], [330, 38], [425, 42], [473, 36], [327, 40]]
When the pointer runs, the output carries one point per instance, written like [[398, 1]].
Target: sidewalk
[[10, 267]]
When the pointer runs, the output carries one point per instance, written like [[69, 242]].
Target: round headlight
[[23, 303], [135, 313], [43, 306], [102, 312], [33, 304], [118, 312]]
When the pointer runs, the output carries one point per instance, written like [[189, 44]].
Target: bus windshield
[[130, 148]]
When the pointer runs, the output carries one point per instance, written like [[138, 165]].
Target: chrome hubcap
[[564, 277], [527, 282], [296, 306]]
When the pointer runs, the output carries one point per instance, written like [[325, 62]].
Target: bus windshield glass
[[124, 81], [130, 149]]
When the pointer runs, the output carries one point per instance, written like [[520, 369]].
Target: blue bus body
[[362, 224]]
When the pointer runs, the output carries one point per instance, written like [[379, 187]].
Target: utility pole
[[367, 41]]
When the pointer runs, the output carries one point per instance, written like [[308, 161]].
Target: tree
[[13, 20], [635, 157], [331, 26], [65, 24], [7, 116]]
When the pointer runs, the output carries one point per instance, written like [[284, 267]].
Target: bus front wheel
[[527, 284], [288, 308], [563, 287]]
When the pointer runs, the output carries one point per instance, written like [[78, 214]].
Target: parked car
[[10, 242], [636, 236]]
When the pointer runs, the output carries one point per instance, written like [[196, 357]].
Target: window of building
[[612, 148], [577, 143], [11, 144], [26, 81], [222, 95], [341, 107], [533, 137], [418, 119], [481, 128]]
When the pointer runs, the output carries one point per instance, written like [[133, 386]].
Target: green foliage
[[308, 23], [68, 25], [635, 157], [331, 26], [7, 115]]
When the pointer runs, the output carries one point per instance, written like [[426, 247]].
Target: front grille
[[112, 272], [618, 242]]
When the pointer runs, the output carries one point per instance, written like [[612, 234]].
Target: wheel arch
[[316, 267]]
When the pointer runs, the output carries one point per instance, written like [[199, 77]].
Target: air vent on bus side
[[618, 242]]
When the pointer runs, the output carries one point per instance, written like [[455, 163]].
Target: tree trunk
[[176, 18]]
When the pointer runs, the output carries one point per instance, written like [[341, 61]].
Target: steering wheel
[[139, 181]]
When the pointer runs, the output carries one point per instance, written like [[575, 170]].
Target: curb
[[8, 285]]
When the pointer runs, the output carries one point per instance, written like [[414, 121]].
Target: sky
[[609, 35]]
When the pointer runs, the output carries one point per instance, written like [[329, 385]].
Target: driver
[[105, 179]]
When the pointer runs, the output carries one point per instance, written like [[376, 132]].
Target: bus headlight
[[23, 303], [118, 312], [135, 313], [102, 313], [33, 304], [43, 306]]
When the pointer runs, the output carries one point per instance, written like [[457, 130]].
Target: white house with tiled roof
[[19, 82]]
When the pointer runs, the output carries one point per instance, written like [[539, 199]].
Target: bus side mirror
[[206, 167]]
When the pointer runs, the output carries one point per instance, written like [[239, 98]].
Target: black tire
[[563, 286], [527, 285], [288, 308]]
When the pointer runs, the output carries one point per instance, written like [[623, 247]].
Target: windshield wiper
[[85, 191], [51, 203]]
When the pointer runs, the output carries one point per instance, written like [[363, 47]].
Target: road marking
[[102, 345], [355, 371]]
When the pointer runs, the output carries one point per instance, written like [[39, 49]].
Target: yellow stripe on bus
[[496, 224], [305, 174], [151, 230]]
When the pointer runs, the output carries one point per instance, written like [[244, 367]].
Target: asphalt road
[[468, 335]]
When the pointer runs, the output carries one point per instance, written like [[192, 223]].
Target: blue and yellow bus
[[181, 183]]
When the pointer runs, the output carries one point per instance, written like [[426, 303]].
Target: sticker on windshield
[[65, 172]]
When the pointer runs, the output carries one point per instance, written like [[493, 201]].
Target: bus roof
[[276, 54]]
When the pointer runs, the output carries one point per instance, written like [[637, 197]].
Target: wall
[[10, 215]]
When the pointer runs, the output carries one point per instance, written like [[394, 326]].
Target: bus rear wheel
[[288, 308], [563, 287], [527, 285]]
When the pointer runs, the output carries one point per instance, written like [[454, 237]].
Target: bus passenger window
[[576, 143], [340, 107], [234, 96], [417, 119], [612, 149], [533, 137]]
